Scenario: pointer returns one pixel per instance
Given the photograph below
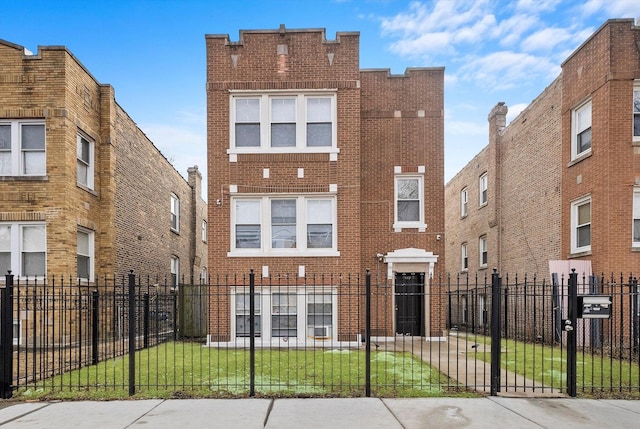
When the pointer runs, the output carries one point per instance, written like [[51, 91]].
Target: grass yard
[[190, 370], [597, 375]]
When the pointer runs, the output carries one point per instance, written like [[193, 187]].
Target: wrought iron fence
[[322, 335]]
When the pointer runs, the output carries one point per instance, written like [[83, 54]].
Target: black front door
[[410, 303]]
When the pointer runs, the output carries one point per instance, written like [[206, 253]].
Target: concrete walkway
[[352, 413]]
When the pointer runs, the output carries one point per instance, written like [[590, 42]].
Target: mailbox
[[594, 306]]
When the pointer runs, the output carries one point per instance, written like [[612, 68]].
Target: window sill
[[483, 267], [89, 190], [175, 231], [398, 227], [275, 254], [483, 205], [635, 248], [579, 254], [24, 178], [579, 158]]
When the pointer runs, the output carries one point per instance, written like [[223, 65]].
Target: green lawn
[[597, 375], [190, 370]]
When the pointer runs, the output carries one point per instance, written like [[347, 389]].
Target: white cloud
[[536, 6], [506, 69], [466, 128], [612, 8], [515, 110], [546, 39], [510, 30]]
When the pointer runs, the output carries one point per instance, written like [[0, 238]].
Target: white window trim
[[175, 204], [204, 230], [265, 296], [635, 214], [398, 226], [481, 249], [301, 227], [483, 189], [265, 122], [91, 254], [16, 247], [574, 224], [464, 254], [175, 269], [574, 132], [636, 89], [90, 165], [16, 147], [464, 202]]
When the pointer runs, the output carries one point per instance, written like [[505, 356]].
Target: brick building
[[562, 180], [317, 168], [85, 194]]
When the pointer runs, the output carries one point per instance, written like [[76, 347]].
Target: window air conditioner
[[321, 331]]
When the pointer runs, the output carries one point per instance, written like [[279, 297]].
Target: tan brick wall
[[55, 87]]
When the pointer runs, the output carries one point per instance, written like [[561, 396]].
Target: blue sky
[[153, 52]]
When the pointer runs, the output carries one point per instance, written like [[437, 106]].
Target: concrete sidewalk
[[489, 412]]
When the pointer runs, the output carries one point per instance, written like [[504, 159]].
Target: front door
[[409, 295]]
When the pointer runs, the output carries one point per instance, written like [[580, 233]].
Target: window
[[409, 195], [204, 230], [284, 315], [22, 148], [636, 218], [463, 309], [581, 225], [283, 226], [636, 111], [464, 256], [293, 315], [175, 213], [482, 309], [175, 271], [283, 122], [319, 315], [581, 131], [464, 202], [23, 249], [85, 254], [242, 315], [85, 162], [482, 248], [482, 189]]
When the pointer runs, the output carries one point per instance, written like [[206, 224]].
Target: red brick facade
[[382, 126]]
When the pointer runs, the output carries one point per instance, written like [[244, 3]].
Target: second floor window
[[175, 213], [581, 130], [283, 122], [464, 201], [483, 185], [283, 225], [636, 111], [22, 148], [85, 161], [409, 199]]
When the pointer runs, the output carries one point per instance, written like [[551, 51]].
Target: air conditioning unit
[[322, 332]]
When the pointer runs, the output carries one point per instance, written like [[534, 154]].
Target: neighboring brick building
[[309, 159], [563, 178], [85, 194]]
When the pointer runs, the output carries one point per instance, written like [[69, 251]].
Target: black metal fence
[[324, 335]]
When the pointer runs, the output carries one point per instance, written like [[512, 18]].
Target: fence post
[[496, 331], [132, 333], [6, 338], [145, 320], [252, 334], [94, 327], [367, 334], [572, 338]]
